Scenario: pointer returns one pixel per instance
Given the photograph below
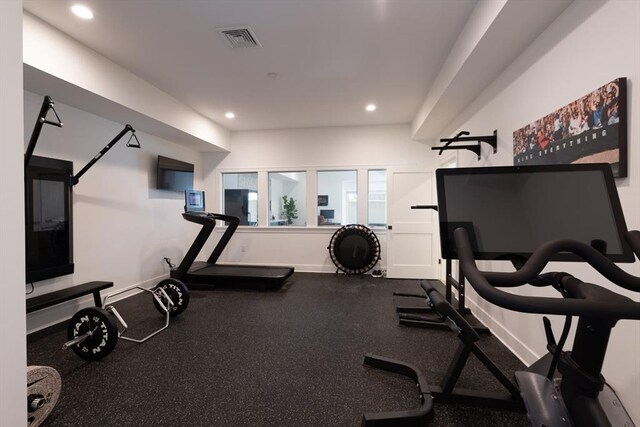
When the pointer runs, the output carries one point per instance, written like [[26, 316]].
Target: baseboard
[[55, 318], [64, 311], [300, 268], [61, 313], [517, 347], [46, 331]]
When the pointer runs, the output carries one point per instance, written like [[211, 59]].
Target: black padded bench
[[63, 295]]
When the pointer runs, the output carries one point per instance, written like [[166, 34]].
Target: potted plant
[[290, 209]]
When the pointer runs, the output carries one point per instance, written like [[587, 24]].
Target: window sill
[[321, 229]]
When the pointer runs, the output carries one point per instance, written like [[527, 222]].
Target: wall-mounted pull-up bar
[[434, 207], [123, 132], [492, 140]]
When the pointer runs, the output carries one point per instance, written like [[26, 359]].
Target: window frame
[[311, 227], [385, 201]]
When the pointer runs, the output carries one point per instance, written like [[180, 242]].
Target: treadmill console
[[201, 218], [193, 201]]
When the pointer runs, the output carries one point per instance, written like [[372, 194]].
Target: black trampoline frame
[[360, 230]]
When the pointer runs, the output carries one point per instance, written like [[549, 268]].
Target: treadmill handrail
[[233, 222], [485, 283], [208, 224]]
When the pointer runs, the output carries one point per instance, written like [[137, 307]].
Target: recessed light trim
[[82, 11], [229, 115], [370, 107]]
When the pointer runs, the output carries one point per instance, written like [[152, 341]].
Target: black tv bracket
[[492, 140]]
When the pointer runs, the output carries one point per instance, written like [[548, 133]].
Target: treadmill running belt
[[239, 271]]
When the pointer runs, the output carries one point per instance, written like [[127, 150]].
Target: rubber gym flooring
[[290, 357]]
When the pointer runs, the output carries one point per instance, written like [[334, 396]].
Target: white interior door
[[412, 235]]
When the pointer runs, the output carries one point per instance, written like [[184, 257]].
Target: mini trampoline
[[354, 249]]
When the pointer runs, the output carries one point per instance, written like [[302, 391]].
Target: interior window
[[287, 198], [240, 196], [337, 197], [377, 198]]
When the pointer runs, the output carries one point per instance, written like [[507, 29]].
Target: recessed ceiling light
[[229, 115], [82, 11], [370, 107]]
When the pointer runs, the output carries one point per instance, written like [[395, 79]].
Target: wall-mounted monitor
[[174, 175], [509, 212], [48, 219], [327, 213], [193, 201]]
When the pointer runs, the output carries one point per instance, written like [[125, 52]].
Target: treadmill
[[209, 274]]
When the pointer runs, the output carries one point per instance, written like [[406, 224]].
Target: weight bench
[[415, 316], [447, 390], [64, 295], [468, 336]]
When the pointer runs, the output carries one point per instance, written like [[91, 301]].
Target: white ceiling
[[332, 57]]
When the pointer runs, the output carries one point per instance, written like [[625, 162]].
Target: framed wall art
[[591, 129]]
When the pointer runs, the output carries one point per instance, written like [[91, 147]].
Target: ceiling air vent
[[237, 37]]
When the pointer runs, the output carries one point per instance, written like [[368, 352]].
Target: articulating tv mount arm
[[47, 104], [76, 178], [492, 140]]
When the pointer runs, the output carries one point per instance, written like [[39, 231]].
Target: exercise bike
[[579, 396], [564, 388], [530, 216]]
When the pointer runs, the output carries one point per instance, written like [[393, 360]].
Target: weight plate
[[43, 390], [103, 328], [177, 291]]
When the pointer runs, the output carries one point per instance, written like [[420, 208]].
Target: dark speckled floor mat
[[291, 357]]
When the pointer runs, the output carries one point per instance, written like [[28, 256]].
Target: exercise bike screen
[[511, 211]]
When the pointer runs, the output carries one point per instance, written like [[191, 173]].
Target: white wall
[[12, 318], [590, 44], [313, 149], [123, 226]]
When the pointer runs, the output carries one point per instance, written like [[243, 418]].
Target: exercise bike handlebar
[[539, 259], [608, 306], [633, 238]]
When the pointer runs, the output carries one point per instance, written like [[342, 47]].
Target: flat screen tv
[[509, 212], [48, 219], [174, 175]]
